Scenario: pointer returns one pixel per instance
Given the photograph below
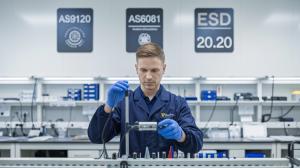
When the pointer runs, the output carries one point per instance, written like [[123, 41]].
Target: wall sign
[[143, 25], [74, 30], [214, 30]]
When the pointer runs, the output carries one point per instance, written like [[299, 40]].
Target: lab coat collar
[[138, 94], [161, 100]]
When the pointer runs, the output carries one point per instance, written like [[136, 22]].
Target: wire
[[232, 111], [33, 99], [210, 117], [123, 137], [19, 117], [70, 118], [286, 113], [284, 128], [272, 99], [104, 151], [269, 116]]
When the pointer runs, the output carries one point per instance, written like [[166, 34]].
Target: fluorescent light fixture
[[122, 78], [136, 78], [177, 79], [68, 78], [285, 78], [231, 78], [14, 79]]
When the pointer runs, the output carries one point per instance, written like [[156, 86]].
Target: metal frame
[[93, 163]]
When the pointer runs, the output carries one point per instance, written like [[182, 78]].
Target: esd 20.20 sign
[[214, 29]]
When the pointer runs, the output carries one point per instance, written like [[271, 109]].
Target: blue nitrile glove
[[170, 129], [116, 93]]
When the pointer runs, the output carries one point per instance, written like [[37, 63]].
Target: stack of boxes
[[74, 94], [91, 91]]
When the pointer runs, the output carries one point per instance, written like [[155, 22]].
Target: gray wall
[[267, 38]]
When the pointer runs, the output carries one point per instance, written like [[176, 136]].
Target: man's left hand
[[170, 129]]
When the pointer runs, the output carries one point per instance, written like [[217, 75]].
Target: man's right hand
[[115, 94]]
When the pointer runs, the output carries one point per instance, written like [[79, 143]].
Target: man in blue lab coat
[[149, 102]]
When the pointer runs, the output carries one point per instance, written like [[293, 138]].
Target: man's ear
[[136, 68], [164, 68]]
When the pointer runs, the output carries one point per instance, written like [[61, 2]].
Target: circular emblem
[[74, 37], [144, 38]]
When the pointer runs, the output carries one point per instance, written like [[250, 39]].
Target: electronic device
[[146, 126], [274, 98], [223, 98], [245, 96], [190, 98], [208, 95]]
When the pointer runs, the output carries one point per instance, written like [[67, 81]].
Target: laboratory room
[[149, 83]]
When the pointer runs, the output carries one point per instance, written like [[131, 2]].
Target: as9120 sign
[[214, 30]]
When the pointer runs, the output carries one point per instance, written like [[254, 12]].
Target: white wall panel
[[266, 39]]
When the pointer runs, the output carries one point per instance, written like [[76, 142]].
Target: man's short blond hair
[[150, 50]]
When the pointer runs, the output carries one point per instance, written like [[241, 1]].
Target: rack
[[184, 86]]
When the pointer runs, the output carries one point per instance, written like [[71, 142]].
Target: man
[[149, 102]]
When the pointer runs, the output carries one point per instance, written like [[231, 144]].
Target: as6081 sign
[[214, 30]]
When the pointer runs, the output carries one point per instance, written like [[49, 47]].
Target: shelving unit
[[183, 86], [52, 110]]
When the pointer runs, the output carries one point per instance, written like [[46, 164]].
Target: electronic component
[[190, 98], [145, 126], [153, 155], [208, 95], [245, 96], [147, 153], [114, 155], [286, 119], [275, 98], [223, 98], [134, 155]]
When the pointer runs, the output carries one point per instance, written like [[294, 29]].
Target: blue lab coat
[[166, 102]]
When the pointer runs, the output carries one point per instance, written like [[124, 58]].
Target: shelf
[[58, 124], [222, 103], [53, 103], [282, 103], [191, 103], [217, 124]]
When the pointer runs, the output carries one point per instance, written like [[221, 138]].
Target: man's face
[[150, 71]]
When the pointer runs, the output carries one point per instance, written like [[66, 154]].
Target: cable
[[210, 117], [232, 111], [104, 151], [284, 128], [286, 113], [70, 118], [20, 117], [269, 116], [33, 99]]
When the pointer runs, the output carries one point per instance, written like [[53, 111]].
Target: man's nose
[[149, 75]]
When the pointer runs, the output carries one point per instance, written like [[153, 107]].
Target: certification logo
[[143, 25], [75, 37], [144, 38], [74, 30]]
